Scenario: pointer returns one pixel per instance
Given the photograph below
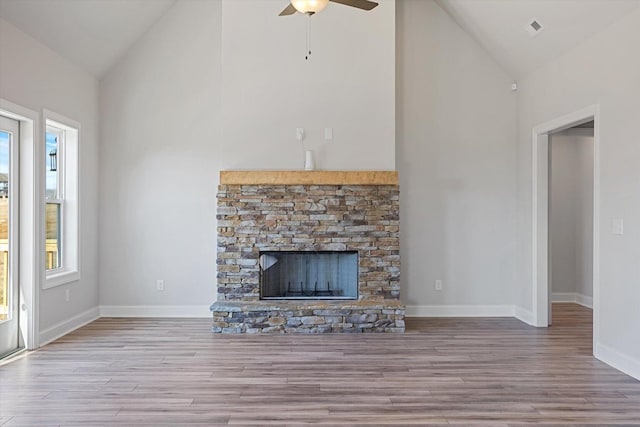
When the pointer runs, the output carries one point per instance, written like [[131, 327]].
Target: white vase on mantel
[[309, 164]]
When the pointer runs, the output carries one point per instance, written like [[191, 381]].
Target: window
[[61, 200], [54, 198]]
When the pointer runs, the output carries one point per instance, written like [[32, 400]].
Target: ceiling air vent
[[534, 27]]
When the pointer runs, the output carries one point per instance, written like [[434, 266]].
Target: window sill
[[60, 278]]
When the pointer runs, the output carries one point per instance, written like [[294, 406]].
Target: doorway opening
[[571, 216], [542, 202], [10, 339], [24, 219]]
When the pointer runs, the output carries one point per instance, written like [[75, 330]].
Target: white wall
[[456, 156], [216, 85], [159, 158], [33, 76], [571, 212], [270, 90], [603, 70], [456, 153]]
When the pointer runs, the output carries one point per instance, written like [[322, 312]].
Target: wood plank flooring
[[141, 372]]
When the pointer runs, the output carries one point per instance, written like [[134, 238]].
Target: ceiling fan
[[309, 7]]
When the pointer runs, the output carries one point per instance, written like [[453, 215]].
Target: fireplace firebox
[[309, 275]]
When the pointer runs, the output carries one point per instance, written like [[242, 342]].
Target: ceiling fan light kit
[[309, 6]]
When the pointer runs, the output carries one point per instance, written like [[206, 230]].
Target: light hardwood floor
[[500, 372]]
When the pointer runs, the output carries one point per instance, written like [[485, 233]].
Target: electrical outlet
[[438, 285], [160, 285], [67, 295]]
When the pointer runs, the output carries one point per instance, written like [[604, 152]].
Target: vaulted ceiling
[[94, 34], [500, 26]]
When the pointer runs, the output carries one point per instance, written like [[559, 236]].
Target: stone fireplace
[[308, 252]]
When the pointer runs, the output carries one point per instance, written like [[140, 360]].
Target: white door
[[9, 290]]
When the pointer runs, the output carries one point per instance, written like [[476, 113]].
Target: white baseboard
[[584, 300], [193, 311], [620, 361], [524, 315], [563, 297], [572, 297], [459, 311], [58, 330]]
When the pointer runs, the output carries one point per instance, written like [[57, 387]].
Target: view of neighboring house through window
[[4, 224], [54, 197]]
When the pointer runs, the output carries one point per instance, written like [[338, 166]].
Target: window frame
[[67, 193]]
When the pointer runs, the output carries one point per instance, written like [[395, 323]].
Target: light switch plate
[[617, 226], [328, 134]]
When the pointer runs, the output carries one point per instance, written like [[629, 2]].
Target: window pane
[[53, 236], [51, 161], [4, 225]]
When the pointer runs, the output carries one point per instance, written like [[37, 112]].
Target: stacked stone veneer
[[255, 218]]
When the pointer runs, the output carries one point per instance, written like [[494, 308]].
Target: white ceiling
[[93, 34], [498, 25]]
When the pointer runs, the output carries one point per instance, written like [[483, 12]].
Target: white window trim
[[69, 270]]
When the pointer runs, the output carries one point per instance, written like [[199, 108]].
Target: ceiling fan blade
[[360, 4], [289, 10]]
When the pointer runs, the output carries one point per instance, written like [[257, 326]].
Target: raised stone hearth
[[309, 317], [267, 212]]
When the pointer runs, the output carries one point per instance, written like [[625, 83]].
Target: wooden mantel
[[308, 177]]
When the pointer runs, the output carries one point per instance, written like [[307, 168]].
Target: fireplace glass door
[[308, 275]]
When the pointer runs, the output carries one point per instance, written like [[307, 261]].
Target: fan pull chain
[[308, 37]]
